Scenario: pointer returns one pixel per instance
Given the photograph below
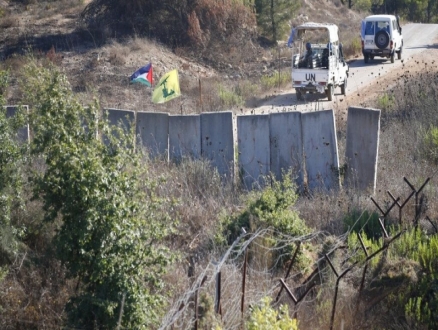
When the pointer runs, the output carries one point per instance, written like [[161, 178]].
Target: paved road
[[417, 38]]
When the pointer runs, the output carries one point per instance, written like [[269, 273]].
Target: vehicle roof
[[377, 17], [332, 29]]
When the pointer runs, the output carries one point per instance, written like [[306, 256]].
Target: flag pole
[[200, 95], [152, 84]]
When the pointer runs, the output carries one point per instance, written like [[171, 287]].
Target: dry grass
[[9, 21], [118, 54], [49, 9]]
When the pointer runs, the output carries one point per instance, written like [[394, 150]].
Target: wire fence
[[251, 269]]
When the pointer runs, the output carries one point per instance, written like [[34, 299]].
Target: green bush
[[229, 98], [386, 101], [275, 80], [114, 223], [412, 265], [363, 221], [356, 249], [247, 89], [271, 208], [264, 317], [13, 157]]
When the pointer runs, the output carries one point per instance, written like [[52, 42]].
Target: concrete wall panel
[[363, 127], [217, 141], [286, 145], [152, 131], [320, 149], [120, 118], [253, 149], [23, 134], [184, 137], [126, 118]]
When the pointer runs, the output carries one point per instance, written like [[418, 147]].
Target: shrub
[[386, 101], [113, 220], [230, 98], [357, 251], [352, 48], [430, 144], [275, 80], [270, 208], [13, 156], [247, 89], [208, 319], [175, 22], [411, 265], [363, 221], [264, 317]]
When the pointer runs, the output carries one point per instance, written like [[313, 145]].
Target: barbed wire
[[267, 262]]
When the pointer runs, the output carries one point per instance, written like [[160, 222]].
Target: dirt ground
[[411, 67]]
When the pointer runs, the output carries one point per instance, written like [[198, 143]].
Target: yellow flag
[[167, 88]]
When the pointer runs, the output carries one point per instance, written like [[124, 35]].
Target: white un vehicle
[[318, 64], [381, 36]]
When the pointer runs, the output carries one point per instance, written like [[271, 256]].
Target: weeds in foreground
[[277, 79], [229, 98], [386, 101], [430, 146]]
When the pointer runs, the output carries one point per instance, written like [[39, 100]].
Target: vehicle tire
[[381, 39], [392, 57], [344, 87], [372, 57], [366, 58], [330, 92], [299, 94], [399, 53]]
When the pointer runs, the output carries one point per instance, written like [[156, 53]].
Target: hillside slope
[[55, 31]]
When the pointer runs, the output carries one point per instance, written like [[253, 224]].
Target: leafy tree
[[273, 17], [413, 10], [431, 11], [112, 221], [13, 155], [363, 5], [174, 22]]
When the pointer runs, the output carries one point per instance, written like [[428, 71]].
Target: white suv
[[381, 36]]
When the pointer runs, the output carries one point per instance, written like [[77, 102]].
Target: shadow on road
[[434, 46]]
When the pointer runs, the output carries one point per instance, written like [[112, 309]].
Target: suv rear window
[[375, 26], [369, 29]]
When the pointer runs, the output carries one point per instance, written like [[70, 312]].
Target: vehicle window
[[382, 25], [394, 25], [369, 28]]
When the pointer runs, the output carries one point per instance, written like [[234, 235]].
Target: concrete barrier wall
[[23, 134], [120, 118], [286, 145], [363, 127], [305, 142], [152, 132], [217, 141], [320, 149], [184, 137], [253, 149], [125, 118]]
